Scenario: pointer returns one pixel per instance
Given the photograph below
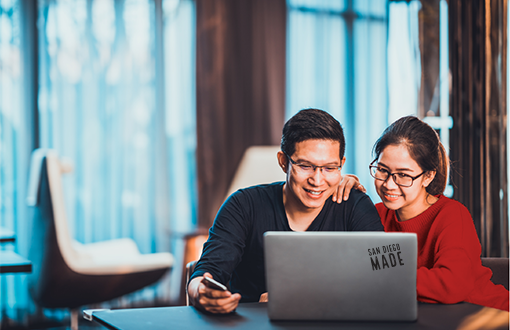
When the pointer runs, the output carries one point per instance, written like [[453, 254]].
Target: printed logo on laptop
[[390, 256]]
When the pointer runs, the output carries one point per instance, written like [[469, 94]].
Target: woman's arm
[[349, 182], [449, 281], [449, 257]]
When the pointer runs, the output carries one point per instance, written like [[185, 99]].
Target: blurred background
[[155, 101]]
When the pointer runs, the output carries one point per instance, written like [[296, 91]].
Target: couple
[[410, 172]]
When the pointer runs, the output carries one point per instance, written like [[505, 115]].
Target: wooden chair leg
[[74, 319], [192, 250]]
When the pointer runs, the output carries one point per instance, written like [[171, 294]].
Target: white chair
[[66, 273]]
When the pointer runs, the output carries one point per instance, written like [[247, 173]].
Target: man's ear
[[429, 176], [283, 162], [342, 162]]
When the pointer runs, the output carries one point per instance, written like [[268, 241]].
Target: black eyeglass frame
[[393, 175], [314, 167]]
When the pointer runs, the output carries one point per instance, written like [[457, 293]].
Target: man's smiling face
[[311, 190]]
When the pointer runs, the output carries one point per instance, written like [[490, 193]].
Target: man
[[312, 155]]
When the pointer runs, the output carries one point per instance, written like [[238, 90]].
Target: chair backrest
[[190, 267], [51, 245], [46, 194], [193, 244], [499, 267]]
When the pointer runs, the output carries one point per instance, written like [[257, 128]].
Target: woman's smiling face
[[407, 201]]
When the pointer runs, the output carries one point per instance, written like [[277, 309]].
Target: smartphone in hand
[[213, 284]]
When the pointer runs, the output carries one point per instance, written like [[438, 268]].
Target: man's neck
[[299, 216]]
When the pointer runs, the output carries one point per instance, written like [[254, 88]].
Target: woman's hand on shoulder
[[348, 182]]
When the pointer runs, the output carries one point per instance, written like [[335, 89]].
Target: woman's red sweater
[[449, 265]]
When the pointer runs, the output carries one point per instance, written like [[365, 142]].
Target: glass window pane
[[96, 107], [11, 126], [371, 96], [117, 98], [15, 146], [316, 63], [339, 65], [404, 68], [180, 125]]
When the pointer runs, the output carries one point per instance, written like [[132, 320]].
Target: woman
[[410, 171]]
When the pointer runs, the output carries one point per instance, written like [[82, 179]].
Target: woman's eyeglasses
[[401, 179]]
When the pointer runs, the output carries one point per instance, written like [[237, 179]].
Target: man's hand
[[209, 299], [348, 183]]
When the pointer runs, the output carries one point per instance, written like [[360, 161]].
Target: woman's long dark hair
[[423, 145]]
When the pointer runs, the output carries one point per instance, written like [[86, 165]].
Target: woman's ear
[[283, 162], [429, 177]]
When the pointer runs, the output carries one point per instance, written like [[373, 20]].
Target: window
[[15, 141], [362, 62], [117, 99], [336, 61], [409, 66]]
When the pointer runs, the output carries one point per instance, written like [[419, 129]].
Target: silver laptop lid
[[341, 275]]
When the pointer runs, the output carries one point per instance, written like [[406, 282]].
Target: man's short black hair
[[311, 124]]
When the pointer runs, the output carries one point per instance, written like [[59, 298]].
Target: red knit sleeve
[[454, 247]]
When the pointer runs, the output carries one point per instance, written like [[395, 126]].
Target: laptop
[[351, 276]]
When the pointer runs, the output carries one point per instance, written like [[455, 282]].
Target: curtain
[[17, 64], [240, 89], [418, 71], [404, 65], [336, 61], [478, 46], [116, 99]]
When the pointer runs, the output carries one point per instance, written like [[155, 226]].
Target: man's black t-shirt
[[234, 252]]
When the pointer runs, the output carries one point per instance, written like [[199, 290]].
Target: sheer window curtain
[[117, 98], [404, 66], [337, 61], [16, 141], [416, 89]]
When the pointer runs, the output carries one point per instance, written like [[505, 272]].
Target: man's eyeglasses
[[309, 169], [400, 179]]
